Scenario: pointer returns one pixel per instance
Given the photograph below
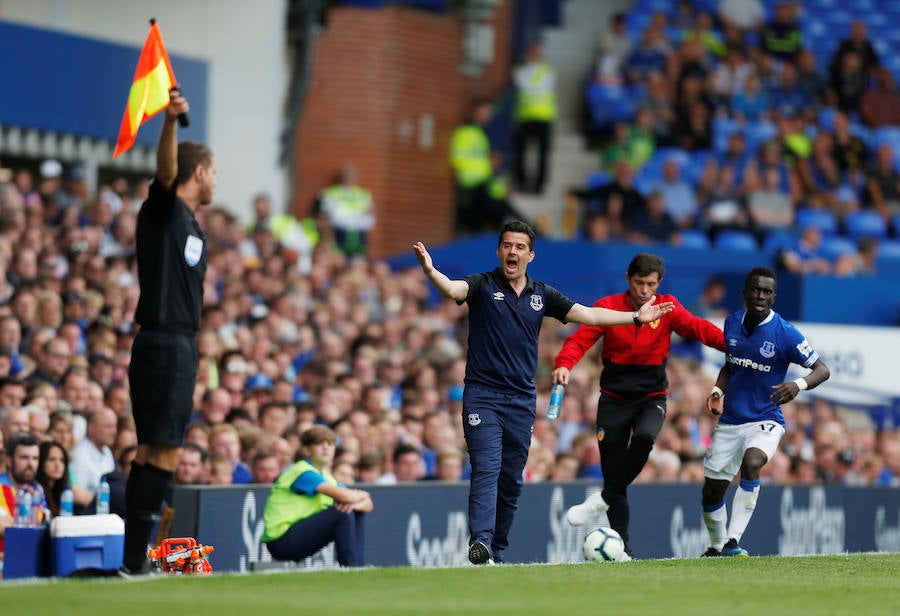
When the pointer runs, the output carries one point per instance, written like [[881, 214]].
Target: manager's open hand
[[423, 257], [650, 312]]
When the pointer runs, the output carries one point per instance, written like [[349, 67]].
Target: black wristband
[[634, 317]]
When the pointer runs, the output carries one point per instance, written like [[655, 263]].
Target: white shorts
[[729, 442]]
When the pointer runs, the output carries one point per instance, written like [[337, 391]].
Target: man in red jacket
[[633, 386]]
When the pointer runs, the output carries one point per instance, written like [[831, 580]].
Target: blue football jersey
[[759, 361]]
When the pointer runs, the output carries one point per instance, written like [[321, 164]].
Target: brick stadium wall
[[377, 73]]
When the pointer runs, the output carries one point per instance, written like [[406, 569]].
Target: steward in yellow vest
[[481, 195], [535, 83]]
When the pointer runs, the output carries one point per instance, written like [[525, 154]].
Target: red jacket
[[634, 358]]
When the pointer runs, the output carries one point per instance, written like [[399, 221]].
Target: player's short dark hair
[[761, 272], [204, 455], [644, 264], [268, 406], [191, 154], [517, 226], [403, 449], [21, 439]]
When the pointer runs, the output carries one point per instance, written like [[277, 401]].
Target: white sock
[[742, 508], [715, 518]]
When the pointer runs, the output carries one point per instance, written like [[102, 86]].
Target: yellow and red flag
[[153, 78]]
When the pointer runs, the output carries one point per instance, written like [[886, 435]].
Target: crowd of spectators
[[343, 341], [728, 123]]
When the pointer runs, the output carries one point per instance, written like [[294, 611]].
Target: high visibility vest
[[470, 155], [293, 233], [535, 96], [349, 207], [284, 507], [497, 188]]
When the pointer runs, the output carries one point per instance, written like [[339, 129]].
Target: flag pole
[[183, 119]]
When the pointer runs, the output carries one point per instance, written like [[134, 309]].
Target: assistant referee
[[171, 258]]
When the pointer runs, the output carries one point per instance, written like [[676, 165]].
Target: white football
[[603, 545]]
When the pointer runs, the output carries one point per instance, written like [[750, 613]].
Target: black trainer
[[479, 553], [710, 552]]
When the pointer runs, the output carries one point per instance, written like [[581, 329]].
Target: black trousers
[[311, 534], [477, 211], [528, 133], [628, 431]]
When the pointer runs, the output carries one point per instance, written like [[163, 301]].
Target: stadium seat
[[757, 133], [609, 104], [693, 238], [826, 118], [694, 171], [824, 220], [722, 129], [776, 241], [889, 250], [835, 247], [887, 134], [681, 156], [736, 240], [598, 178], [865, 223]]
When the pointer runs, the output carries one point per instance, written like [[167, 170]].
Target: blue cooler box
[[86, 541]]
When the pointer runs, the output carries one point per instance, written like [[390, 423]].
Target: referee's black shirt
[[504, 329], [171, 258]]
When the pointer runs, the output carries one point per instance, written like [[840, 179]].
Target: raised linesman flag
[[153, 79]]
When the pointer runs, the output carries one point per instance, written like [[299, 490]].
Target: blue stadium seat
[[826, 118], [776, 241], [839, 22], [887, 134], [865, 223], [598, 178], [895, 223], [823, 219], [834, 247], [757, 133], [693, 238], [609, 104], [693, 172], [889, 250], [681, 156], [736, 240], [722, 129]]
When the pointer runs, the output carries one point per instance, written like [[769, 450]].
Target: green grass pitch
[[855, 584]]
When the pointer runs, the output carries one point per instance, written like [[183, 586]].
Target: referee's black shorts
[[162, 373]]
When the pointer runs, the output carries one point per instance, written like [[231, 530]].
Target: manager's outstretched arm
[[454, 289], [596, 315]]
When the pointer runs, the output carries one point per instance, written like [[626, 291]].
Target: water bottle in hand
[[556, 397], [103, 498], [67, 502]]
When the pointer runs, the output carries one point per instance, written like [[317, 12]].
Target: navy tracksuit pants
[[497, 426]]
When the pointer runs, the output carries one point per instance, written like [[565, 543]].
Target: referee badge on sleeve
[[193, 249]]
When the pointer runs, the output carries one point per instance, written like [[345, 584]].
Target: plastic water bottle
[[24, 509], [103, 498], [557, 392], [67, 502]]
